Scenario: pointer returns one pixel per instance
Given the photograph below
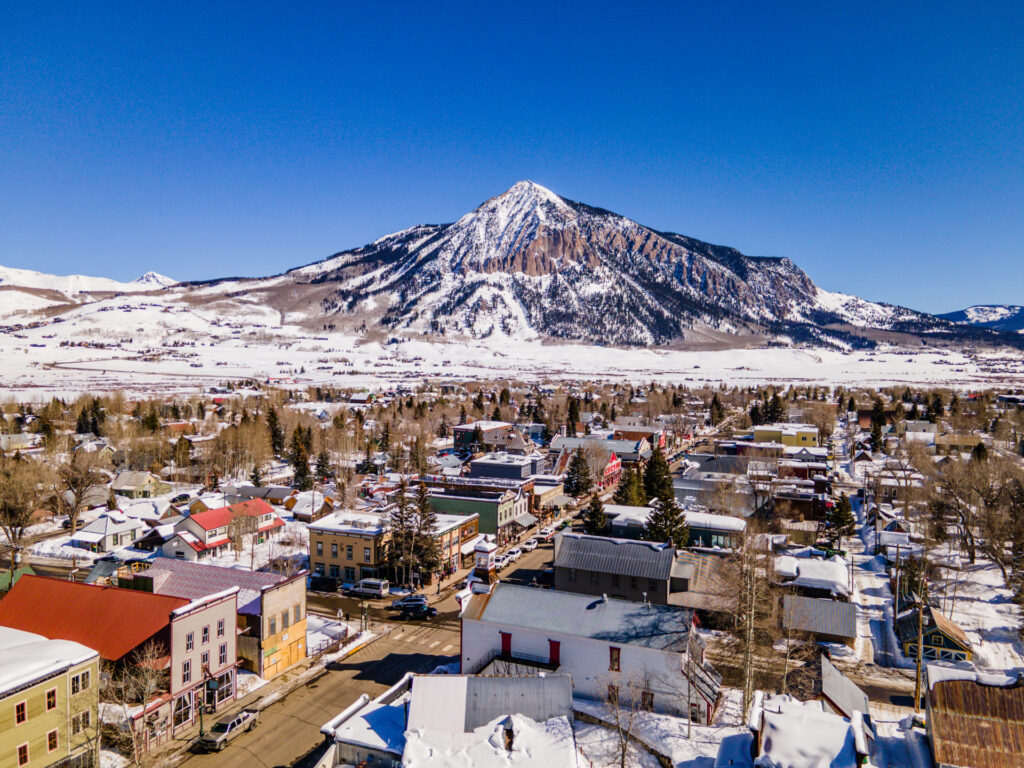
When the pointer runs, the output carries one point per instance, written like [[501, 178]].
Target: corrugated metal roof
[[976, 725], [813, 614], [111, 620], [841, 690], [616, 621], [645, 560], [194, 580], [472, 701]]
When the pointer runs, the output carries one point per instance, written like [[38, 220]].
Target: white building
[[610, 648]]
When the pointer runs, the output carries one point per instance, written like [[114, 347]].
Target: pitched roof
[[977, 725], [617, 621], [220, 517], [26, 657], [841, 690], [643, 559], [472, 701], [189, 580], [111, 620], [813, 614]]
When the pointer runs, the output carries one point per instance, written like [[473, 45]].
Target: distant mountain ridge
[[527, 265], [1001, 317]]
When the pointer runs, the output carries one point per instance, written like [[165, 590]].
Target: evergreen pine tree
[[578, 481], [667, 522], [840, 522], [426, 548], [876, 437], [630, 491], [256, 478], [401, 525], [657, 476], [594, 520], [717, 411], [276, 434], [852, 405], [755, 414], [323, 465]]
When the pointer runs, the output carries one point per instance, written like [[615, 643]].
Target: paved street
[[289, 730]]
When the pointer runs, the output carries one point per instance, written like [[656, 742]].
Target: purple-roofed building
[[271, 607]]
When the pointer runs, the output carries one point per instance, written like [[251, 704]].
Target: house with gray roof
[[828, 620], [610, 647]]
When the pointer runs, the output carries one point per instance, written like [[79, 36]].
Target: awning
[[525, 520], [470, 545], [558, 501]]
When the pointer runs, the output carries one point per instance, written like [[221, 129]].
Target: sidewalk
[[306, 671]]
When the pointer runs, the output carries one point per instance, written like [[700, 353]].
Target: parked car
[[514, 554], [323, 584], [408, 602], [369, 588], [228, 729], [500, 561], [418, 611], [547, 532], [530, 544]]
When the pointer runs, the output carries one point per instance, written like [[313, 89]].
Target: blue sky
[[880, 148]]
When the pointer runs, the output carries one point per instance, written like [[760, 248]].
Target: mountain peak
[[154, 279]]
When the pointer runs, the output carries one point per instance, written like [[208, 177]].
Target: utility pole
[[920, 646]]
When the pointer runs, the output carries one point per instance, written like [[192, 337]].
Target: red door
[[554, 652], [506, 643]]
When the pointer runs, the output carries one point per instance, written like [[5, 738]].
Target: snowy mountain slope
[[71, 285], [525, 265], [1002, 317], [529, 263]]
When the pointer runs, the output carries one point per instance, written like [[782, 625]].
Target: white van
[[370, 588]]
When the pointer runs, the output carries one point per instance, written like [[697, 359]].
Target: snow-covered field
[[148, 347]]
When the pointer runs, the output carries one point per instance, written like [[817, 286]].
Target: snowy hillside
[[1003, 317], [71, 285], [529, 264]]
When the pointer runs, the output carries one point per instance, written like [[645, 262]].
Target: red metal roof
[[218, 518], [110, 620]]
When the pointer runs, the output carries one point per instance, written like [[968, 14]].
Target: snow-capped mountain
[[529, 263], [1002, 317], [71, 285]]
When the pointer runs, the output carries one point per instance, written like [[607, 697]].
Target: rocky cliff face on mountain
[[529, 263]]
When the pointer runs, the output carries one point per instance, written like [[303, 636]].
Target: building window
[[223, 654], [572, 575], [206, 634], [366, 555], [334, 551], [80, 722], [273, 625], [51, 699], [615, 579], [350, 574], [595, 578], [206, 659], [220, 628], [51, 741], [633, 585], [284, 620], [298, 613], [652, 585], [647, 701], [23, 754], [20, 712], [319, 547], [334, 571], [80, 682], [182, 710], [186, 671], [613, 658], [319, 569], [190, 641], [348, 551]]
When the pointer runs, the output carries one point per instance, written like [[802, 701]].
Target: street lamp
[[210, 684]]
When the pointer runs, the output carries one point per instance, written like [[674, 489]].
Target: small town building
[[108, 532], [214, 531], [349, 545], [139, 485], [49, 701], [608, 646]]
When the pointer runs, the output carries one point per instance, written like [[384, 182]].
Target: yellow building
[[348, 545], [49, 702], [796, 435]]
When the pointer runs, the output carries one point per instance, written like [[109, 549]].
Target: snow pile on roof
[[814, 573], [533, 745], [796, 733], [26, 656], [941, 674]]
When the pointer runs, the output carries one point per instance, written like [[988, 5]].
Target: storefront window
[[183, 709]]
